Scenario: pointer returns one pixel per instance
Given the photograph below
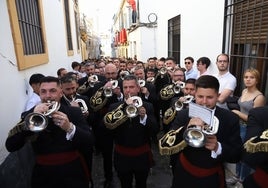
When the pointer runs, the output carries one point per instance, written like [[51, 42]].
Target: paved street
[[160, 176]]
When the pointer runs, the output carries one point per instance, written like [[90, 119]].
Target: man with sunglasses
[[190, 71]]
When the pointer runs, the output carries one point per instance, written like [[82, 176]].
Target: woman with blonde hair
[[251, 97]]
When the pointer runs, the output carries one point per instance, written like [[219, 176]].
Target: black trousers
[[126, 178]]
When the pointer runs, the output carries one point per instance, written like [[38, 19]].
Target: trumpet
[[92, 80], [108, 91], [141, 83], [186, 100], [36, 121], [195, 136], [150, 79], [123, 74], [132, 108], [178, 86], [82, 104]]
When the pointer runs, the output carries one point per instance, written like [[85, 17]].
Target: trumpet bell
[[132, 108], [131, 111], [108, 92], [178, 105], [123, 74], [194, 136], [35, 122], [141, 83]]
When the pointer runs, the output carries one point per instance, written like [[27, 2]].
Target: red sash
[[132, 151], [63, 158], [261, 178], [202, 172]]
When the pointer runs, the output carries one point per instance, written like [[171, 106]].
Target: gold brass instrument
[[123, 74], [108, 91], [186, 100], [37, 122], [195, 136], [132, 108]]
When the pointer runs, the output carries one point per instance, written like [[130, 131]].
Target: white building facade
[[60, 47]]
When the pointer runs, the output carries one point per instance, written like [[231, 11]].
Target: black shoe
[[108, 184]]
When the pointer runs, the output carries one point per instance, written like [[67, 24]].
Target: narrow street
[[159, 177]]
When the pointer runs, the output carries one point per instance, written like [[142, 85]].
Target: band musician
[[59, 162], [199, 162], [132, 123]]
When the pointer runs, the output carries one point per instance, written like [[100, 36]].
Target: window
[[77, 25], [246, 28], [174, 37], [27, 24], [68, 27]]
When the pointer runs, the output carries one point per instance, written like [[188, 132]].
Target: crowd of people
[[117, 107]]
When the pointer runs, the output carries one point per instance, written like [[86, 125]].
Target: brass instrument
[[92, 80], [162, 70], [178, 86], [186, 100], [195, 136], [170, 90], [132, 108], [37, 122], [141, 82], [150, 79], [82, 104], [123, 74], [108, 91]]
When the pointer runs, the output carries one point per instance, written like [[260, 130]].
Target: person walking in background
[[256, 148], [226, 79], [251, 97], [34, 99]]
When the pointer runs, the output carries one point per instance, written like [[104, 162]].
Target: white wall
[[201, 28], [14, 83]]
